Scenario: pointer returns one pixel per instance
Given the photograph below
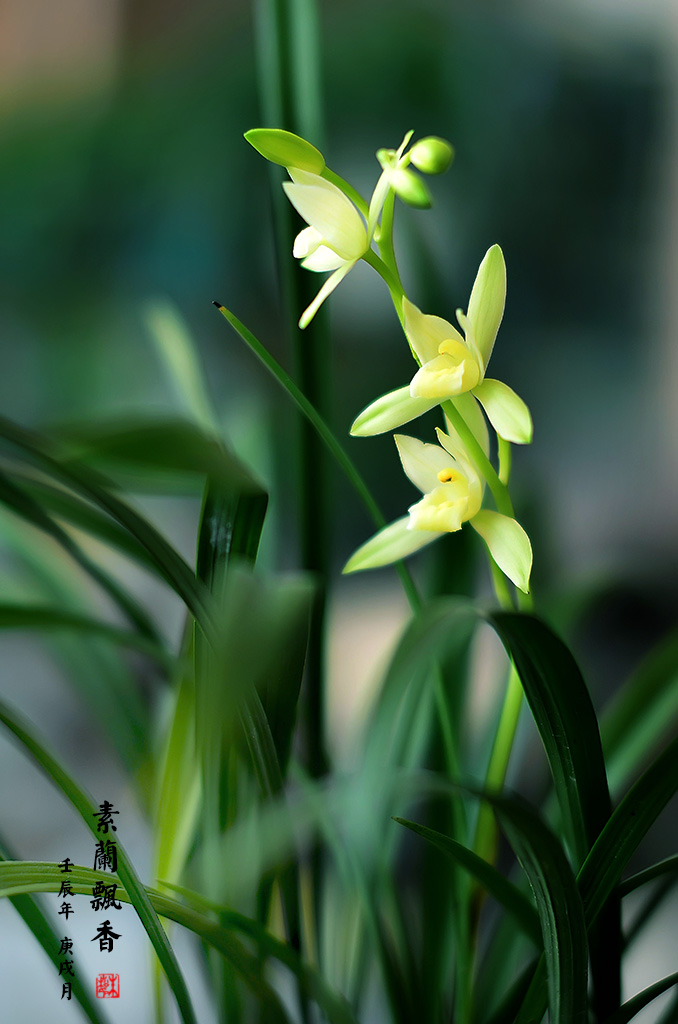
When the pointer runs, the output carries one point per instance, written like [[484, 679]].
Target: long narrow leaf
[[46, 936], [566, 720], [25, 506], [36, 617], [87, 809], [559, 905], [96, 488], [632, 1007], [505, 892], [322, 429], [30, 876]]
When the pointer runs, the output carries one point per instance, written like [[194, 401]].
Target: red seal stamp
[[108, 986]]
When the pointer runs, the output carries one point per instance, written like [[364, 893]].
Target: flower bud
[[431, 155], [286, 149], [410, 188]]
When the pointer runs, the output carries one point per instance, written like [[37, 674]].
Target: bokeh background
[[125, 181]]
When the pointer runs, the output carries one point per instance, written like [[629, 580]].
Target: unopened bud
[[410, 188], [431, 155]]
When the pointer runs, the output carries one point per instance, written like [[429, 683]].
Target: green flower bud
[[410, 188], [431, 155], [286, 149]]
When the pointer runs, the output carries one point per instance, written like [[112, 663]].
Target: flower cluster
[[453, 475]]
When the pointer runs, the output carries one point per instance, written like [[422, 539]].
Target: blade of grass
[[328, 438]]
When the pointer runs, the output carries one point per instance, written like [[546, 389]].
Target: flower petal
[[443, 508], [328, 287], [475, 482], [325, 208], [323, 259], [394, 542], [508, 545], [306, 243], [486, 305], [423, 462], [391, 411], [444, 377], [281, 147], [505, 410], [425, 333]]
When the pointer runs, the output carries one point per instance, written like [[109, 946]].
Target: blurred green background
[[124, 180]]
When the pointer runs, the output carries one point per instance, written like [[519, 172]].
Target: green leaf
[[46, 936], [24, 505], [560, 909], [564, 715], [641, 713], [626, 828], [96, 488], [505, 892], [621, 836], [67, 506], [322, 430], [87, 809], [632, 1007], [179, 354], [667, 866], [35, 617], [29, 876], [163, 445], [566, 720]]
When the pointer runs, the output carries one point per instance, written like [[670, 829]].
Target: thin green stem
[[391, 280], [498, 490], [326, 435], [386, 248]]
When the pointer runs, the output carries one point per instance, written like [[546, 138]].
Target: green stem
[[326, 436], [386, 248], [498, 490], [391, 280]]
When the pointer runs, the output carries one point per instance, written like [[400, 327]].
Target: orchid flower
[[452, 495], [337, 236], [452, 365]]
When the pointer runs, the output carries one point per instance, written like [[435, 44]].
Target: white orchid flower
[[452, 365], [336, 236], [452, 495]]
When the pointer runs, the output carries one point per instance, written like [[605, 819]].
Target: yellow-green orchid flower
[[452, 365], [453, 494], [336, 236]]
